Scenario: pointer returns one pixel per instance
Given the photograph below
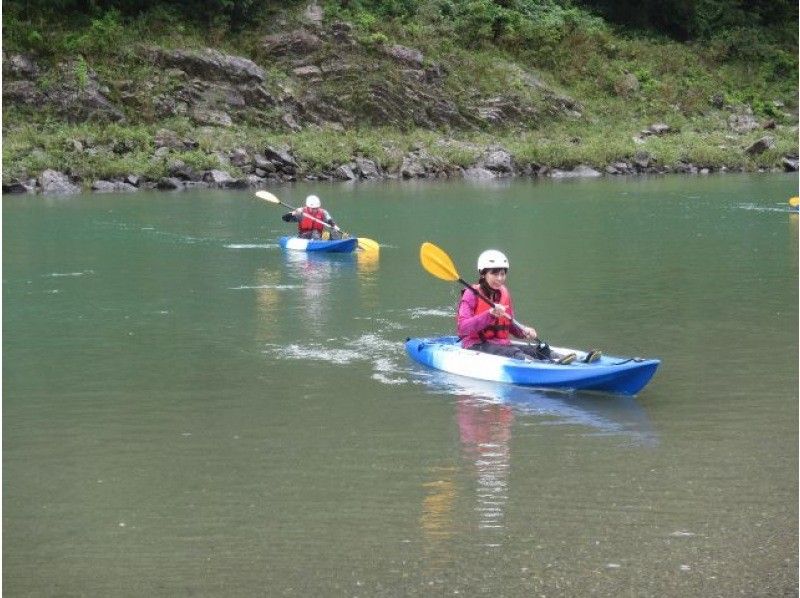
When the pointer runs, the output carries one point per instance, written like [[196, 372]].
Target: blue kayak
[[335, 246], [622, 375]]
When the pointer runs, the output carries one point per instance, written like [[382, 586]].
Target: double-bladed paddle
[[363, 242]]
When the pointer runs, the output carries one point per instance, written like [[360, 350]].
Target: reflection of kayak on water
[[612, 415], [319, 245], [621, 375]]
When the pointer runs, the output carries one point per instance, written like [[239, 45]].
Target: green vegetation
[[624, 64]]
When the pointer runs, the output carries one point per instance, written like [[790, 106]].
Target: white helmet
[[491, 258], [312, 201]]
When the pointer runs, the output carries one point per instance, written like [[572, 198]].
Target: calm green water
[[190, 411]]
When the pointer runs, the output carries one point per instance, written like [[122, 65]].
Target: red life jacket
[[306, 224], [500, 327]]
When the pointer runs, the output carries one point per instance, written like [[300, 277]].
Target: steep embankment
[[323, 99]]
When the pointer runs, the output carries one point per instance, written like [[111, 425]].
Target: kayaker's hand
[[529, 332], [498, 311]]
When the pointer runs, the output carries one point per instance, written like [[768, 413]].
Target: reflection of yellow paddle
[[364, 243]]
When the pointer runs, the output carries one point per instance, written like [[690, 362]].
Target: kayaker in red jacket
[[312, 228], [485, 328]]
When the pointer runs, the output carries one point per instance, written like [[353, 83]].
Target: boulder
[[57, 183], [367, 169], [498, 160], [203, 116], [790, 163], [580, 171], [293, 44], [742, 123], [210, 64], [102, 186], [760, 146], [18, 186], [405, 55], [282, 159], [313, 14], [660, 129], [478, 173], [345, 172], [20, 66]]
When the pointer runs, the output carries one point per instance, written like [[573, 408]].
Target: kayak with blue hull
[[621, 375], [332, 246]]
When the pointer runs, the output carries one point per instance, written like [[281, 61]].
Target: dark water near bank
[[190, 411]]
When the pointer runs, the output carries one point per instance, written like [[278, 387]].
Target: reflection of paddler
[[485, 432]]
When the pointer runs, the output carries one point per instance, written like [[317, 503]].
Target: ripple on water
[[383, 354]]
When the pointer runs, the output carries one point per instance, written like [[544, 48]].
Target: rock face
[[74, 94]]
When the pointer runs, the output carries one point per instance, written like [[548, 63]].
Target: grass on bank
[[114, 150]]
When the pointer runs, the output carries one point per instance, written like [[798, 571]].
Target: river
[[188, 410]]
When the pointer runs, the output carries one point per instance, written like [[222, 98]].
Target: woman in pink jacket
[[482, 327]]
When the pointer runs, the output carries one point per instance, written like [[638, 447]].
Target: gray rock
[[642, 160], [18, 186], [22, 66], [239, 157], [294, 44], [22, 92], [57, 183], [660, 129], [282, 159], [169, 184], [203, 116], [477, 173], [220, 178], [307, 72], [627, 85], [102, 186], [210, 64], [167, 138], [498, 160], [406, 55], [580, 171], [313, 14], [367, 168], [760, 146], [790, 163], [742, 123], [345, 172]]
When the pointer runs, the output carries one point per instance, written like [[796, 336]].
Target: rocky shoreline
[[214, 92], [274, 166]]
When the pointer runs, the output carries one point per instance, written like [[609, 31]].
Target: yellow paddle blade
[[437, 262], [267, 196], [794, 201], [366, 244]]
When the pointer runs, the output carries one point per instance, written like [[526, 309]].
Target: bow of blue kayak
[[620, 375], [319, 245]]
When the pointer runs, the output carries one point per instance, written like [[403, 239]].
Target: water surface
[[188, 410]]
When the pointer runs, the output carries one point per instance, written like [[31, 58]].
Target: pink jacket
[[469, 324]]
